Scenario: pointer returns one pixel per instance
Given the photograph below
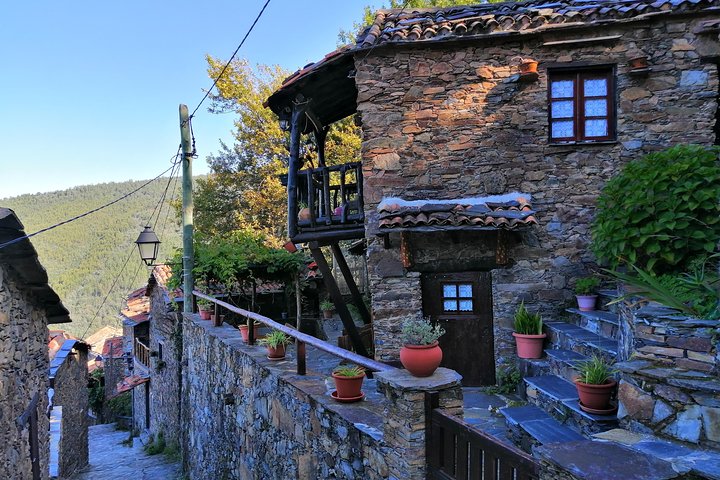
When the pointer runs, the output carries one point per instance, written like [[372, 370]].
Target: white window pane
[[465, 290], [562, 89], [466, 305], [449, 291], [596, 128], [562, 109], [596, 87], [595, 108], [563, 129], [450, 305]]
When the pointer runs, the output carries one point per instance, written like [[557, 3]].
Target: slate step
[[568, 336], [530, 426], [605, 297], [563, 362], [559, 398], [601, 322]]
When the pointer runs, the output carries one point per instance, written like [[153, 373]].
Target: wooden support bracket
[[347, 275]]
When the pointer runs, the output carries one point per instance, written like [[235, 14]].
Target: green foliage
[[419, 330], [349, 371], [204, 304], [157, 445], [96, 390], [594, 371], [586, 285], [274, 339], [527, 323], [120, 405], [662, 211], [84, 257], [508, 378], [239, 257], [327, 305], [696, 293]]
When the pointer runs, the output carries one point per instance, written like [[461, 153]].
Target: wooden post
[[347, 274], [298, 114], [187, 210]]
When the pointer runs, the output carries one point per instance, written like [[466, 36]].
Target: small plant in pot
[[204, 308], [585, 293], [421, 355], [528, 333], [303, 212], [327, 308], [244, 331], [595, 386], [275, 343], [348, 383]]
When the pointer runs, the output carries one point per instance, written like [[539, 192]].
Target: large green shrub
[[662, 211]]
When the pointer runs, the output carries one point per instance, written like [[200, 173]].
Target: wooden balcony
[[142, 353], [326, 204]]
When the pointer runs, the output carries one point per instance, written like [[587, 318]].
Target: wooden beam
[[406, 250], [576, 41], [330, 235], [340, 306], [354, 291], [298, 114], [502, 248]]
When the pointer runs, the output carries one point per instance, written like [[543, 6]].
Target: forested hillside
[[84, 258]]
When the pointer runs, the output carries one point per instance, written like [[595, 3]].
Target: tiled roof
[[97, 339], [438, 24], [113, 348], [137, 308], [501, 213], [128, 383]]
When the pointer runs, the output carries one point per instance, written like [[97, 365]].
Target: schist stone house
[[477, 182], [27, 305]]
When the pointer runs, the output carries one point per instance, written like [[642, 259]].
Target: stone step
[[597, 321], [568, 336], [563, 362], [530, 426], [559, 398]]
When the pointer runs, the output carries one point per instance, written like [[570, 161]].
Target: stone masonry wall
[[165, 330], [24, 368], [452, 121], [670, 384], [71, 393]]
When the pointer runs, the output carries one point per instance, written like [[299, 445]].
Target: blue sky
[[90, 90]]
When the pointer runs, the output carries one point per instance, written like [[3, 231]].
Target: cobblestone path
[[110, 459]]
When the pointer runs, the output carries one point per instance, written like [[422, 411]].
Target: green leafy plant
[[527, 323], [419, 330], [326, 305], [349, 371], [274, 339], [661, 212], [586, 285], [595, 371], [508, 378], [157, 445], [204, 304]]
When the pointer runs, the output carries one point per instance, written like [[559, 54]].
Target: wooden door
[[462, 304]]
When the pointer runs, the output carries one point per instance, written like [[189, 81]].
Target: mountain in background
[[84, 259]]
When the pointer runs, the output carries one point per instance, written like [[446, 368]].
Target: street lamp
[[148, 245]]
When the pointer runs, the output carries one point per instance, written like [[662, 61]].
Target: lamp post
[[148, 244]]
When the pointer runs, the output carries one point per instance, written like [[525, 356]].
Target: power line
[[231, 59]]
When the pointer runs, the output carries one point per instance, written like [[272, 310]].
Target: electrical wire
[[232, 57]]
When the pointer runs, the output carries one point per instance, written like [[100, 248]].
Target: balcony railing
[[327, 203], [142, 353]]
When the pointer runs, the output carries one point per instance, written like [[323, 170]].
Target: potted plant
[[595, 385], [528, 333], [327, 308], [217, 319], [204, 308], [275, 343], [244, 331], [421, 355], [348, 383], [303, 212], [528, 65], [584, 292]]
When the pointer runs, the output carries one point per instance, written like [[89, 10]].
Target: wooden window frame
[[577, 75]]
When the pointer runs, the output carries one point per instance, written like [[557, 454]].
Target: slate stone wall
[[452, 121], [71, 393], [24, 368], [165, 331]]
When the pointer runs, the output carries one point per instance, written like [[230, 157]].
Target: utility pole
[[187, 210]]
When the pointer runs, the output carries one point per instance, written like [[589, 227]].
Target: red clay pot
[[529, 346], [421, 360], [327, 314], [204, 314], [348, 387], [528, 66], [596, 397], [637, 63], [245, 335], [277, 352]]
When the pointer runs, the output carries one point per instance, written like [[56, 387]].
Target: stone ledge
[[442, 379]]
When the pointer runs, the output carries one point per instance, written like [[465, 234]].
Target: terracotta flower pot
[[245, 335], [348, 387], [421, 360], [638, 63], [327, 314], [529, 346], [586, 303], [204, 314], [276, 353], [596, 397], [528, 66], [304, 214], [217, 319], [290, 247]]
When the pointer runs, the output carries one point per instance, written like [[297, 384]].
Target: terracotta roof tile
[[438, 24], [137, 306], [128, 383], [113, 348], [461, 213]]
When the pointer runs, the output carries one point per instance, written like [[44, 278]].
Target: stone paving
[[110, 459]]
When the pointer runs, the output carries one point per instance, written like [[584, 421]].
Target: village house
[[27, 306]]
